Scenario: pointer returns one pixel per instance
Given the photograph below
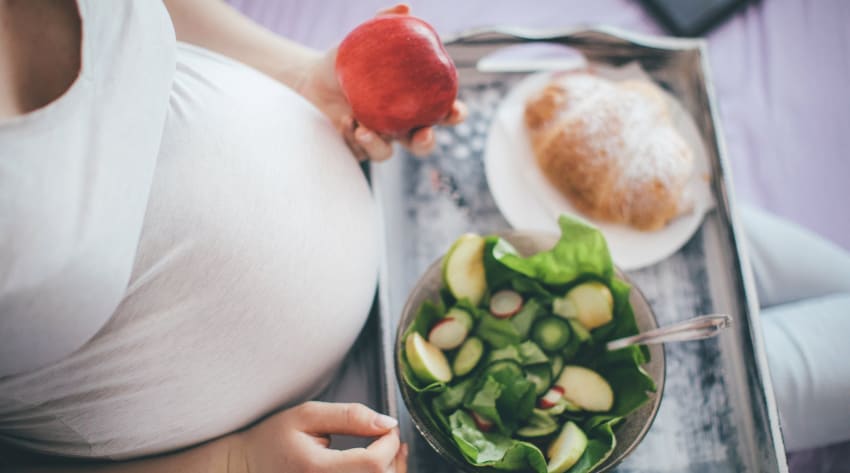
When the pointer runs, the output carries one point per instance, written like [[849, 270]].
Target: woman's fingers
[[378, 457], [421, 143], [400, 463], [322, 418], [372, 144], [457, 115], [366, 144]]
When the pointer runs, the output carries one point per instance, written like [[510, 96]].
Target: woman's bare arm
[[214, 25]]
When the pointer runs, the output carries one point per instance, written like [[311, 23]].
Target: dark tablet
[[692, 17]]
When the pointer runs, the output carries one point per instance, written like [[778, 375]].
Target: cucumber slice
[[540, 376], [428, 363], [557, 365], [468, 356], [463, 269], [551, 333], [567, 449], [540, 424], [532, 431]]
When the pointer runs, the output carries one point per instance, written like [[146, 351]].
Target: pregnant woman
[[186, 243]]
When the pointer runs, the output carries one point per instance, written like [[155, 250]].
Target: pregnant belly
[[259, 242], [254, 274]]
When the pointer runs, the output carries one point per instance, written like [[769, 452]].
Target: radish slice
[[552, 396], [483, 424], [448, 333], [505, 303]]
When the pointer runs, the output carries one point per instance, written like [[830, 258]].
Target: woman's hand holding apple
[[397, 100]]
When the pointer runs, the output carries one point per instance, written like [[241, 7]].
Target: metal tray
[[718, 413]]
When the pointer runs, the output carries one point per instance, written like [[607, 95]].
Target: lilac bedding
[[781, 71]]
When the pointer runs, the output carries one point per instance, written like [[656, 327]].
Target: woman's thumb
[[324, 418]]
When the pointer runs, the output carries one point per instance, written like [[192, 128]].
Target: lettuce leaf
[[525, 318], [526, 353], [600, 444], [483, 402], [531, 354], [499, 333], [494, 449], [581, 251]]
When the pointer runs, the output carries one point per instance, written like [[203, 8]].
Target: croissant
[[611, 148]]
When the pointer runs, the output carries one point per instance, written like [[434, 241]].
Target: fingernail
[[365, 137], [425, 138], [385, 422]]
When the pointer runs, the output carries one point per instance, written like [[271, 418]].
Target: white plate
[[529, 201]]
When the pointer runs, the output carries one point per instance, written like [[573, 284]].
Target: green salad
[[511, 364]]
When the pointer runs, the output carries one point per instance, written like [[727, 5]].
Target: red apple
[[396, 74]]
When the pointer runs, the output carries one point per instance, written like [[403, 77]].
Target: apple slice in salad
[[589, 303], [428, 362], [468, 356], [463, 269], [586, 389], [567, 449]]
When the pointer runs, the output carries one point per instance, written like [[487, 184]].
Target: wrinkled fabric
[[255, 270]]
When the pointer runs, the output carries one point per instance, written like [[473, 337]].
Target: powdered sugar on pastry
[[611, 148]]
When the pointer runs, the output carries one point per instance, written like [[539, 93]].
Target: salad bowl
[[628, 431]]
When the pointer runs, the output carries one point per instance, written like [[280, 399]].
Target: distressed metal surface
[[718, 413]]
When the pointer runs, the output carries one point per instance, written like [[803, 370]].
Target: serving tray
[[718, 413]]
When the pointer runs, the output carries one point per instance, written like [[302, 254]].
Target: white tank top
[[74, 183], [253, 253]]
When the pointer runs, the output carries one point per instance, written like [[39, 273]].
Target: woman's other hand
[[321, 87], [297, 440]]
